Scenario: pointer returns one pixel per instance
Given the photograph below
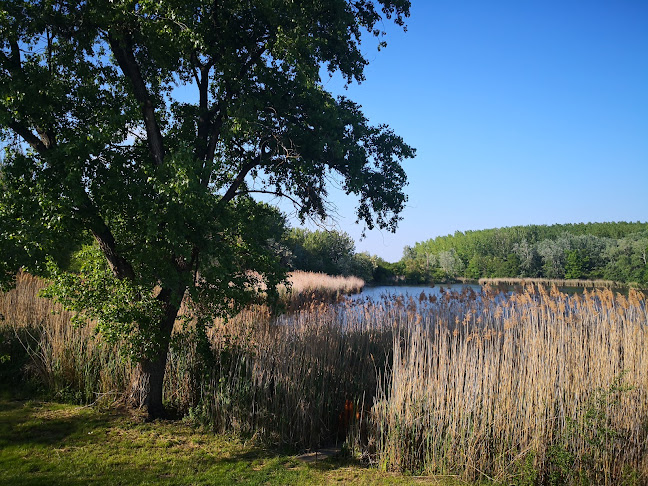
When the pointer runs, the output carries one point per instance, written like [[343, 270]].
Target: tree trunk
[[153, 368]]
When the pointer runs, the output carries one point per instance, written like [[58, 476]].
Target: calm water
[[376, 293]]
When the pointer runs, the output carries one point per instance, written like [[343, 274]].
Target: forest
[[608, 251]]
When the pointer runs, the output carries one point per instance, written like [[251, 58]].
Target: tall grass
[[287, 379], [283, 378], [306, 288], [496, 384], [70, 361], [514, 281], [538, 386]]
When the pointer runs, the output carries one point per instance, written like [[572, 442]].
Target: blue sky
[[522, 112]]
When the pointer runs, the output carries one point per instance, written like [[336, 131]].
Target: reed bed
[[542, 385], [302, 282], [69, 360], [537, 387], [306, 288], [231, 380], [547, 282], [286, 380]]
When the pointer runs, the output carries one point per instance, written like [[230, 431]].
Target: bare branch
[[272, 193]]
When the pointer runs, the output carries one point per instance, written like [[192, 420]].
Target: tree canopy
[[612, 251], [146, 127]]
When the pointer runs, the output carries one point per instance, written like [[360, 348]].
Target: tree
[[365, 265], [530, 260], [146, 126], [450, 263], [553, 253], [627, 259], [330, 252], [576, 264], [474, 268]]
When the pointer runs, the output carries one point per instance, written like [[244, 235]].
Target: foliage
[[464, 384], [333, 253], [330, 252], [611, 251], [595, 426], [577, 264], [147, 126]]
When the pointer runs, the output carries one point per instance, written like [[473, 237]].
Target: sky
[[532, 112]]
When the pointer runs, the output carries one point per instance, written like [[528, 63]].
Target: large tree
[[147, 125]]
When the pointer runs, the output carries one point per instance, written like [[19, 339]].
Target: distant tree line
[[610, 251], [333, 253]]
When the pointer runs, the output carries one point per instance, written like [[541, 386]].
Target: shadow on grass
[[48, 443], [32, 423]]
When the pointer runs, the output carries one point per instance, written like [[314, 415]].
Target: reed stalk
[[548, 282], [480, 389], [476, 385]]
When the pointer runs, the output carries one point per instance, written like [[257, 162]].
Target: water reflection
[[415, 291]]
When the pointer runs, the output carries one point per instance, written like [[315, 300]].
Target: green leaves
[[122, 309], [612, 251], [148, 125]]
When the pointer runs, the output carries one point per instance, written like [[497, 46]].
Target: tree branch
[[14, 66], [15, 54], [28, 136], [219, 111], [120, 267], [238, 180], [101, 232], [272, 193], [123, 52], [204, 117]]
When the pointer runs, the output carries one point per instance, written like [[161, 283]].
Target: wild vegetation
[[607, 251], [582, 255], [140, 131], [306, 288], [538, 387], [333, 253], [52, 443]]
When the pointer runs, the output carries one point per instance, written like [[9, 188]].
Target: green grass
[[51, 443]]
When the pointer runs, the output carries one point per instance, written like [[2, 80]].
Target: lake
[[378, 292]]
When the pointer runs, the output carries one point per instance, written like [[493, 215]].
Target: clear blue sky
[[522, 112]]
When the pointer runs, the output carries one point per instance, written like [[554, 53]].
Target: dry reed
[[71, 361], [475, 385], [232, 380], [483, 388], [308, 287], [511, 281]]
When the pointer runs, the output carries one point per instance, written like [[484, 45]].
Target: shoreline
[[511, 281]]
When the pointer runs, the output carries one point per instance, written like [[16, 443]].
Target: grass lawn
[[52, 443]]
